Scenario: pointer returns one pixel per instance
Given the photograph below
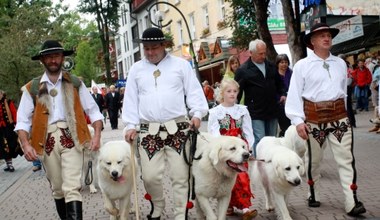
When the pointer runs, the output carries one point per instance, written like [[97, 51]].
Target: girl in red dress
[[232, 119]]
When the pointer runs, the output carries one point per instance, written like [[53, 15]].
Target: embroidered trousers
[[337, 135], [155, 151], [62, 162]]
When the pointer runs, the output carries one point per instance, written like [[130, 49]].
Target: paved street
[[25, 195]]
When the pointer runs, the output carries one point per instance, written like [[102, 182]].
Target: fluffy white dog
[[279, 169], [115, 177], [221, 158], [290, 140]]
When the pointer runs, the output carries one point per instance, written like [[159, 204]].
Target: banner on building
[[348, 29]]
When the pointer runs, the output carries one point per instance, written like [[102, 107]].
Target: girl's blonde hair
[[223, 86], [229, 73]]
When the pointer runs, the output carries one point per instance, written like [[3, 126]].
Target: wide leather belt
[[324, 112]]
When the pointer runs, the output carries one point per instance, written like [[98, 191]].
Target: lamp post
[[161, 25]]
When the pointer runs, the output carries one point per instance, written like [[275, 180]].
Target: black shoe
[[357, 210], [313, 203], [9, 168], [155, 218]]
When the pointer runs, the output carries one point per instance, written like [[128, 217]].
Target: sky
[[72, 6]]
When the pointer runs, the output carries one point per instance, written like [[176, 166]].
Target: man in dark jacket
[[113, 105], [261, 84], [98, 98]]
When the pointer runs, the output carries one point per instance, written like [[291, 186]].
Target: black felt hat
[[316, 28], [51, 46], [152, 35]]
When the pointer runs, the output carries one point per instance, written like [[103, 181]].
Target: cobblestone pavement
[[25, 195]]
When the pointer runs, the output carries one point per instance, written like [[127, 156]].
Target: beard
[[53, 68]]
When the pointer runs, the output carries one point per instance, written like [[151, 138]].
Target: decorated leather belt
[[324, 112], [180, 125]]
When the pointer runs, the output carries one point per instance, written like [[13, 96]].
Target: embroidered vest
[[75, 117]]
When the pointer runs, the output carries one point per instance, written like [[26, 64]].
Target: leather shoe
[[9, 168], [248, 215], [313, 203], [357, 210], [36, 168]]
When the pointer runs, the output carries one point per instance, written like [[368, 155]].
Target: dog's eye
[[119, 162], [288, 168], [298, 167], [108, 163], [233, 148]]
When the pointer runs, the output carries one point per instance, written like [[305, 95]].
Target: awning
[[209, 66]]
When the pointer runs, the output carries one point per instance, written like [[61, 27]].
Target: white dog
[[221, 158], [290, 140], [115, 177], [279, 169]]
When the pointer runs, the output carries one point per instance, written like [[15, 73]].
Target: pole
[[161, 25]]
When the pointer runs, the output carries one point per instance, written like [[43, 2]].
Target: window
[[192, 25], [180, 32], [206, 16], [222, 11], [126, 45], [135, 35], [118, 46]]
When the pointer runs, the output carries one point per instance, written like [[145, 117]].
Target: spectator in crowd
[[363, 79], [282, 63], [113, 104], [52, 127], [350, 87], [36, 165], [9, 147], [370, 63], [160, 89], [98, 98], [316, 106], [262, 85], [232, 65], [209, 93]]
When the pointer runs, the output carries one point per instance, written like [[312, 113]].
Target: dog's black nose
[[246, 156], [114, 173], [297, 182]]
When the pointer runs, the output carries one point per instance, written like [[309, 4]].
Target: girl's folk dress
[[234, 121]]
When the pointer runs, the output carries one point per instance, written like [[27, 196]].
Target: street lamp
[[160, 18]]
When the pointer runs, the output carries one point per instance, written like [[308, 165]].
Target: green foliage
[[243, 23], [85, 60], [25, 25], [107, 17]]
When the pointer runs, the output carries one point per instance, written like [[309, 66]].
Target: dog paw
[[113, 211], [93, 190]]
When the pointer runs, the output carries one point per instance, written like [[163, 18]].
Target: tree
[[21, 31], [85, 60], [293, 28], [261, 7], [107, 19], [249, 21], [242, 22]]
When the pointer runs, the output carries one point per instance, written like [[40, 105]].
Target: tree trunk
[[261, 7], [293, 29]]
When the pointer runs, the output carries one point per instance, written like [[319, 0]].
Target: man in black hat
[[160, 87], [316, 105], [52, 127]]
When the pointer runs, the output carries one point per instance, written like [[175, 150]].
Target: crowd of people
[[256, 98]]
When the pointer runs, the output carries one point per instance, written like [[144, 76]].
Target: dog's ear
[[214, 154]]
